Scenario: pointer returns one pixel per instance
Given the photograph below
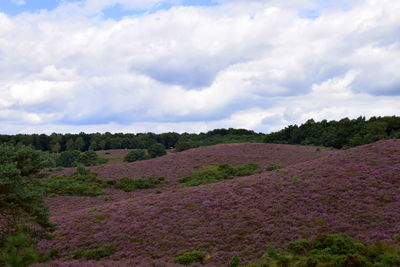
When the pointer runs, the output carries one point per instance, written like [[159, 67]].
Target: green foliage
[[73, 158], [338, 134], [90, 158], [19, 250], [189, 258], [333, 251], [273, 167], [136, 155], [80, 183], [27, 160], [94, 254], [157, 150], [131, 184], [69, 158], [299, 247], [235, 261], [184, 145], [20, 203], [217, 173]]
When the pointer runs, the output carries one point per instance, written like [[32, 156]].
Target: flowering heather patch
[[355, 191]]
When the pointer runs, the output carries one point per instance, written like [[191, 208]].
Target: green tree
[[70, 145], [376, 130], [69, 158], [79, 144], [135, 155], [89, 158], [157, 150], [21, 204]]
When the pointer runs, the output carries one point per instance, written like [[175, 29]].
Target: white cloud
[[252, 64]]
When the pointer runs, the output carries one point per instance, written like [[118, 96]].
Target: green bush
[[157, 150], [94, 254], [19, 250], [69, 158], [299, 247], [235, 261], [189, 258], [90, 158], [80, 183], [336, 250], [131, 184], [217, 173], [136, 155], [273, 167]]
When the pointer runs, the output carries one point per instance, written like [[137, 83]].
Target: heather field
[[315, 191]]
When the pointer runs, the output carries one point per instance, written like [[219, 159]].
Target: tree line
[[337, 134], [57, 143], [344, 133]]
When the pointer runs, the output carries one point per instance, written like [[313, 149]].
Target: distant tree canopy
[[338, 134], [83, 142]]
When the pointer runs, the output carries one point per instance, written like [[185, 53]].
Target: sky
[[193, 65]]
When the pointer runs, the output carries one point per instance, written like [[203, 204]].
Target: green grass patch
[[189, 258], [80, 183], [273, 167], [93, 254], [130, 184], [217, 173]]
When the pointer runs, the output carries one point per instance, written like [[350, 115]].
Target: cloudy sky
[[195, 65]]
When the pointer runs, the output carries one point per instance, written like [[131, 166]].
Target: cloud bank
[[259, 65]]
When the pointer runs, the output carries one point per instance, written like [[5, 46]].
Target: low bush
[[273, 167], [93, 254], [136, 155], [19, 250], [235, 261], [157, 150], [81, 183], [131, 184], [189, 258], [333, 250], [217, 173]]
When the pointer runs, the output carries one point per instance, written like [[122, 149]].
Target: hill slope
[[356, 191]]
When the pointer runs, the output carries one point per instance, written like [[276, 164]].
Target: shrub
[[90, 158], [333, 250], [336, 244], [131, 184], [235, 261], [189, 258], [94, 254], [69, 158], [273, 167], [217, 173], [135, 155], [80, 183], [157, 150], [19, 250]]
